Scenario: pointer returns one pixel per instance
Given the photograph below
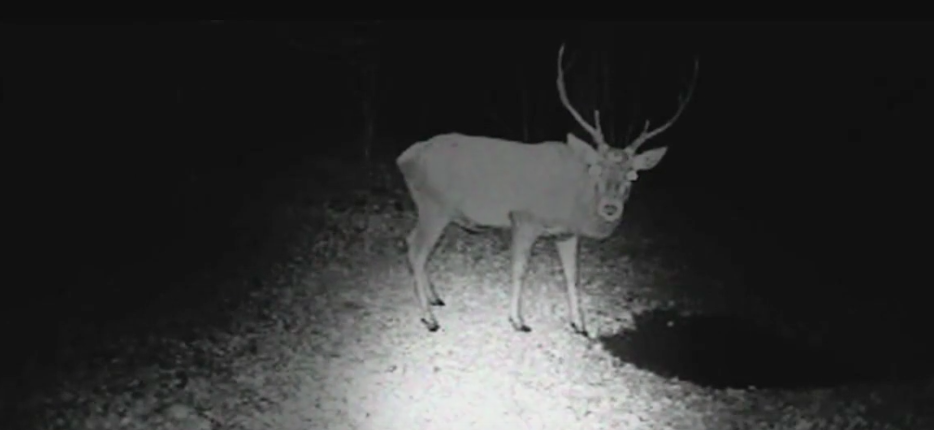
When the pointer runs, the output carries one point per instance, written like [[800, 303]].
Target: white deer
[[562, 190]]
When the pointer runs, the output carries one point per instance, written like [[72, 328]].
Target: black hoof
[[434, 300], [578, 330], [519, 327], [432, 326]]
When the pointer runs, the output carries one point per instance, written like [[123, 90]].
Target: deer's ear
[[583, 150], [648, 159]]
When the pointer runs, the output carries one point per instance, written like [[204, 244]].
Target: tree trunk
[[368, 107], [524, 102], [368, 140], [610, 131], [369, 129]]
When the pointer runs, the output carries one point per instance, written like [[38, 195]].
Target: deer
[[560, 190]]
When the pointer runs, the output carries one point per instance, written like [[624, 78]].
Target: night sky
[[813, 137]]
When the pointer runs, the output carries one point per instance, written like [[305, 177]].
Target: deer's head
[[612, 169]]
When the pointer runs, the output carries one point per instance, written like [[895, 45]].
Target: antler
[[595, 132], [645, 135]]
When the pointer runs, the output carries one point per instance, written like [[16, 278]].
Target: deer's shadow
[[730, 351]]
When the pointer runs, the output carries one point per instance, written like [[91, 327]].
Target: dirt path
[[331, 341]]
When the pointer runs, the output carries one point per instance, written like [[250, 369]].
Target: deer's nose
[[610, 210]]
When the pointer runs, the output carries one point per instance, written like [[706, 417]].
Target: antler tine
[[595, 132], [683, 100]]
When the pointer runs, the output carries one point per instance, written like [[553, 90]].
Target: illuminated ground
[[328, 339]]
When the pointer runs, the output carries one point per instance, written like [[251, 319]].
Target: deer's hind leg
[[421, 242]]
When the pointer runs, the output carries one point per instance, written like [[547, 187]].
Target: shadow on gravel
[[723, 351]]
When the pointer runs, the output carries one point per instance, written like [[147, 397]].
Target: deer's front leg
[[567, 251]]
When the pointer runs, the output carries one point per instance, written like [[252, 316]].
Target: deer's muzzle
[[610, 209]]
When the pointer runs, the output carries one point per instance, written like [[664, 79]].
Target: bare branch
[[682, 103], [595, 132]]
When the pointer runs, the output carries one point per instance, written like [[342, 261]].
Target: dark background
[[804, 148]]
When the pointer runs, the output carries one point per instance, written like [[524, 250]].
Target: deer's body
[[486, 179], [564, 190]]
